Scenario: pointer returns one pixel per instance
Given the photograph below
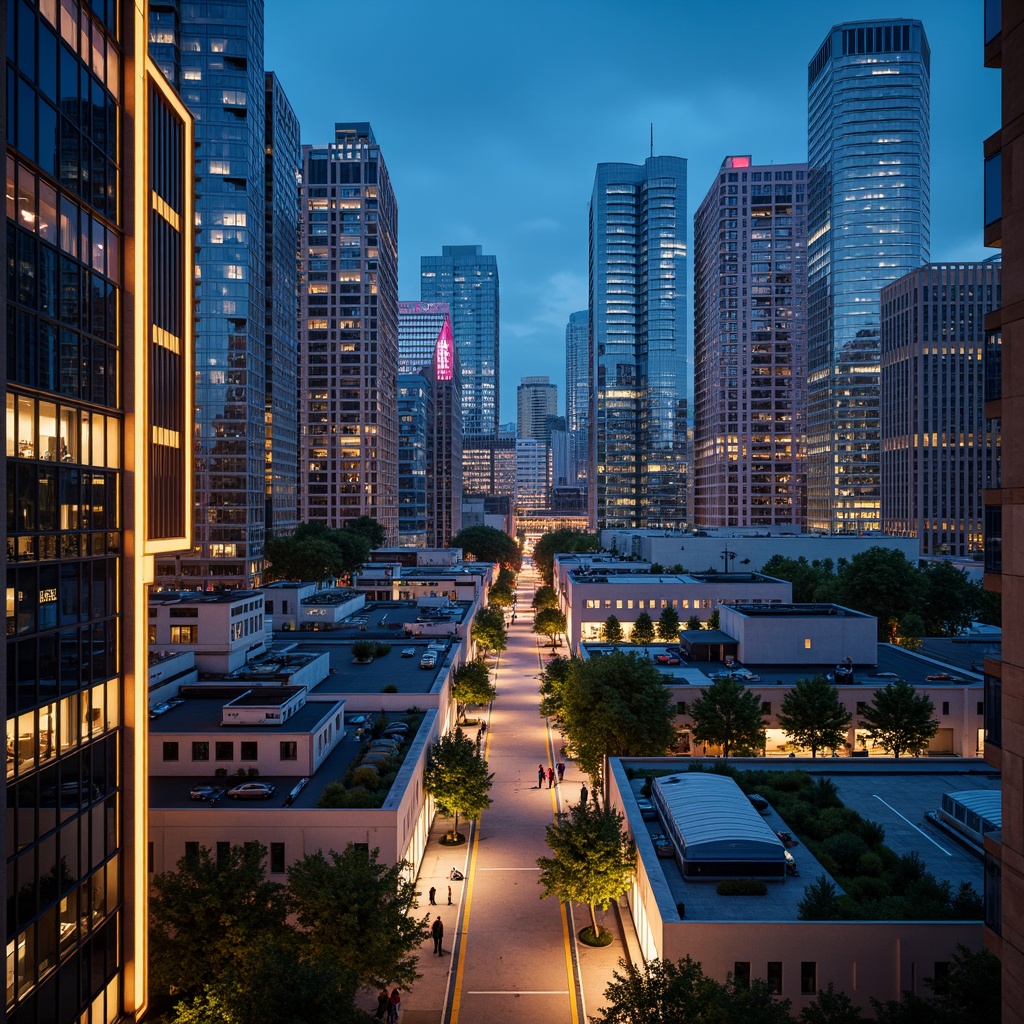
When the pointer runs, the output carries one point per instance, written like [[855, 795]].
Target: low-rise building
[[297, 606]]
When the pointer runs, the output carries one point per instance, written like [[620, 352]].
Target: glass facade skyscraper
[[638, 318], [577, 394], [213, 53], [868, 155], [98, 355]]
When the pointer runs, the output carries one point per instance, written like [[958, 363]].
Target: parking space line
[[912, 825]]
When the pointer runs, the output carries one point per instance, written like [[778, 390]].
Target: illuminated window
[[184, 634], [807, 643]]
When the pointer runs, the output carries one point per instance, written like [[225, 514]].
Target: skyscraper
[[281, 450], [98, 353], [348, 333], [638, 340], [750, 346], [419, 326], [213, 53], [577, 394], [537, 404], [468, 281], [938, 450], [416, 420], [868, 158]]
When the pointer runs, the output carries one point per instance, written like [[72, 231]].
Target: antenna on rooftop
[[652, 138]]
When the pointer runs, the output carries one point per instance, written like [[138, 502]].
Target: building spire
[[652, 138]]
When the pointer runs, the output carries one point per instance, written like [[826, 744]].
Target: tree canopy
[[813, 716], [728, 715], [471, 685], [487, 544], [369, 528], [900, 719], [558, 541], [315, 553], [488, 631], [594, 859], [545, 597], [552, 681], [668, 625], [611, 631], [500, 596], [456, 777], [550, 622], [812, 581], [643, 630]]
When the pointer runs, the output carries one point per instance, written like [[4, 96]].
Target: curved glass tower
[[868, 224]]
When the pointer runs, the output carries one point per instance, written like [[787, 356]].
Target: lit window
[[807, 643]]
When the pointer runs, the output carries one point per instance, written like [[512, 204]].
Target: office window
[[277, 858], [184, 634], [945, 707], [809, 977], [807, 643], [224, 750], [289, 750], [741, 973], [681, 707], [774, 977], [249, 750], [170, 750], [200, 750], [981, 707]]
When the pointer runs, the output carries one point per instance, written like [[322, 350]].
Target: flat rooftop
[[201, 596], [801, 611]]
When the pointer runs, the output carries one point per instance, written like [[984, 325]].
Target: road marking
[[912, 825], [518, 992], [508, 869]]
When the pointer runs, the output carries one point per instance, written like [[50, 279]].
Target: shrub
[[742, 887], [846, 849], [825, 794], [967, 905], [819, 901], [379, 650], [869, 864], [221, 773], [390, 688], [336, 795], [872, 833], [866, 889], [253, 773], [364, 650], [834, 820], [366, 776]]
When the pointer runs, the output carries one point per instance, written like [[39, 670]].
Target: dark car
[[252, 791], [647, 811], [205, 792], [759, 802], [662, 845]]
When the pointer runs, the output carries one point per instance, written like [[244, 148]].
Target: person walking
[[394, 1004], [561, 771], [551, 777], [437, 930], [382, 1004], [431, 895], [540, 776], [583, 794], [449, 895]]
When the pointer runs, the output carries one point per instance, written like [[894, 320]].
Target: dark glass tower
[[868, 156], [577, 394], [98, 354]]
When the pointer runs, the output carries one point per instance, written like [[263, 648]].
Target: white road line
[[518, 992], [508, 869], [913, 826]]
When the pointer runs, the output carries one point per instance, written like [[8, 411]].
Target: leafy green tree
[[307, 559], [909, 631], [552, 683], [506, 578], [545, 597], [715, 620], [206, 913], [819, 901], [615, 705], [594, 859], [881, 582], [487, 544], [471, 685], [728, 715], [971, 989], [643, 630], [611, 631], [812, 581], [550, 622], [900, 719], [456, 777], [668, 625], [831, 1007], [370, 529], [500, 597], [489, 631], [812, 715], [556, 542], [358, 914], [952, 600], [693, 622]]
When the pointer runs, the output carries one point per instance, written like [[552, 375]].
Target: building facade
[[419, 326], [283, 161], [750, 350], [868, 155], [939, 452], [98, 390], [467, 280], [348, 333], [577, 395], [536, 406], [638, 446], [533, 470], [415, 433], [213, 54]]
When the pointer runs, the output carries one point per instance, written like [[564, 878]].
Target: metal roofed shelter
[[707, 644], [715, 829]]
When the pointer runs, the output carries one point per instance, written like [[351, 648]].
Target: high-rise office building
[[533, 471], [213, 53], [750, 346], [281, 220], [638, 340], [416, 420], [98, 389], [577, 394], [536, 403], [467, 280], [1004, 505], [419, 326], [939, 452], [868, 155], [348, 333]]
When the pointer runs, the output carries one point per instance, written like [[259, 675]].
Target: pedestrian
[[432, 894], [394, 1003], [449, 895], [561, 771], [540, 776], [551, 777], [382, 1004], [437, 930], [583, 794]]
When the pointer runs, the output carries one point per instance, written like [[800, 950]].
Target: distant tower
[[750, 346], [868, 156], [577, 394], [536, 401], [638, 344], [348, 333], [939, 453]]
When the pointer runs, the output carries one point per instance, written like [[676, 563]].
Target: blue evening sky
[[492, 115]]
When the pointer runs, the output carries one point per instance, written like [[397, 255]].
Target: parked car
[[159, 709], [399, 732], [205, 792], [759, 802], [429, 660], [662, 845], [252, 791], [786, 839], [666, 659], [173, 702], [791, 868], [647, 811], [408, 652]]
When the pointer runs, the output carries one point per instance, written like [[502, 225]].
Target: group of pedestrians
[[432, 895], [549, 774], [388, 1005]]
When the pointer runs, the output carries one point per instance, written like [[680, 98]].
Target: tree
[[952, 601], [971, 989], [611, 631], [506, 578], [368, 528], [615, 705], [831, 1007], [693, 622], [205, 914], [358, 914], [489, 631], [456, 777], [315, 552], [556, 542], [883, 583], [471, 684], [812, 581], [545, 597], [500, 596], [715, 620], [643, 630], [819, 901], [909, 631], [668, 625], [550, 622], [594, 859], [487, 544], [552, 682], [900, 719], [812, 715], [727, 715]]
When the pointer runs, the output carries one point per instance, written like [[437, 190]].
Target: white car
[[252, 791]]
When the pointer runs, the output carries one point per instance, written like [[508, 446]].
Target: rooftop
[[202, 596], [802, 611]]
